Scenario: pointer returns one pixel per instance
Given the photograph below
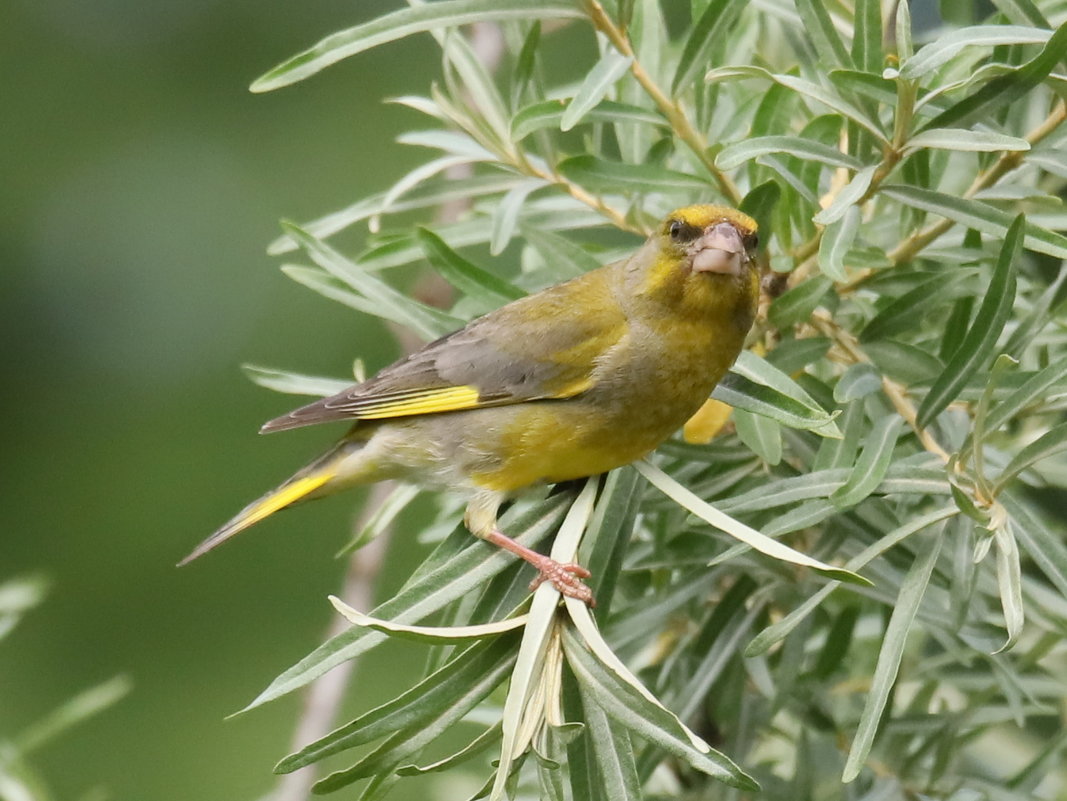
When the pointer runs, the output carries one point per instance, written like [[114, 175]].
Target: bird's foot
[[565, 577]]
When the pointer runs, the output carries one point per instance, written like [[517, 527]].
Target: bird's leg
[[566, 577]]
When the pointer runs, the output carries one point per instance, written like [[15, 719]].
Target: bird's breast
[[645, 387]]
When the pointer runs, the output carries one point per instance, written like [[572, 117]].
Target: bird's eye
[[682, 231], [752, 240]]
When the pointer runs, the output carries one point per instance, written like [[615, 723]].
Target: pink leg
[[567, 578]]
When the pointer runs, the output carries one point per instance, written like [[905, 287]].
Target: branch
[[674, 112]]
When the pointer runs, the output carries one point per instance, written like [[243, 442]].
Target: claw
[[567, 578]]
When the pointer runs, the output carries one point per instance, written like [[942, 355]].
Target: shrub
[[898, 419]]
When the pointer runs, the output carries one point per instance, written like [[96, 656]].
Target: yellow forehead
[[702, 215]]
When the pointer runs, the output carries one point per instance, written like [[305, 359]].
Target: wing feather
[[539, 347]]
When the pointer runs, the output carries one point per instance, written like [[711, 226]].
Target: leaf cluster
[[855, 589]]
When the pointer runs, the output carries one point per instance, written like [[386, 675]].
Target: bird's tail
[[313, 477]]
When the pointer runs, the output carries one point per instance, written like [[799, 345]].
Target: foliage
[[899, 415], [18, 780]]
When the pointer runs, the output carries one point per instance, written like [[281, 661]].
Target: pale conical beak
[[720, 250]]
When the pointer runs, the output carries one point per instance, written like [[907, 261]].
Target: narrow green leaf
[[295, 383], [905, 49], [964, 139], [613, 176], [858, 381], [796, 305], [548, 113], [428, 195], [476, 84], [982, 336], [1032, 389], [791, 178], [612, 751], [405, 22], [761, 434], [977, 215], [743, 393], [760, 203], [867, 39], [709, 28], [472, 673], [1040, 541], [609, 532], [430, 634], [506, 214], [1010, 583], [836, 241], [778, 492], [818, 25], [736, 154], [592, 640], [332, 287], [1022, 12], [647, 720], [565, 259], [758, 370], [539, 630], [598, 82], [828, 97], [735, 528], [525, 64], [425, 320], [1048, 444], [381, 764], [383, 516], [906, 363], [481, 743], [912, 590], [902, 312], [418, 176], [1005, 88], [872, 464], [944, 49], [1052, 161], [871, 88], [490, 291], [534, 644], [443, 578], [779, 630], [792, 356], [847, 197]]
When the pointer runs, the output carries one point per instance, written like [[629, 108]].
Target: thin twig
[[915, 243], [673, 111], [894, 391]]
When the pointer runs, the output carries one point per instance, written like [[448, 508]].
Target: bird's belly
[[555, 441]]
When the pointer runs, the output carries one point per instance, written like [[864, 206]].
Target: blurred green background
[[141, 182]]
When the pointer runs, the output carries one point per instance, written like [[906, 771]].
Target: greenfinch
[[572, 381]]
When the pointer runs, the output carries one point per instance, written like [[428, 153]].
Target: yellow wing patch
[[428, 401]]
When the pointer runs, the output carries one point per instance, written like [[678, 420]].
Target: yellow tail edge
[[288, 493]]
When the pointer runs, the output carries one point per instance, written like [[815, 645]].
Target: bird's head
[[709, 239], [700, 263]]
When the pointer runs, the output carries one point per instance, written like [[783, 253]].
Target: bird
[[565, 383]]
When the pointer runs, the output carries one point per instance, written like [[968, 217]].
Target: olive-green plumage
[[572, 381]]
